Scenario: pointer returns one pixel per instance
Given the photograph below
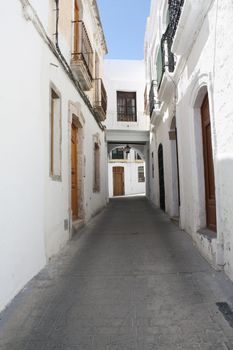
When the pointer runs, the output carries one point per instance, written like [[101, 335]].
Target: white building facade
[[127, 126], [132, 167], [52, 138], [189, 73]]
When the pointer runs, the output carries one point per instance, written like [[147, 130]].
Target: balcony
[[155, 105], [165, 57], [189, 24], [153, 101], [100, 100], [82, 57]]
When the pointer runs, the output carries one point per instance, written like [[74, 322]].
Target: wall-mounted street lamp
[[127, 149]]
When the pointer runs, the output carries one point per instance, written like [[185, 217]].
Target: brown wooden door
[[76, 28], [118, 181], [208, 167], [74, 173]]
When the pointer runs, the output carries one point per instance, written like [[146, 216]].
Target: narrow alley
[[130, 280]]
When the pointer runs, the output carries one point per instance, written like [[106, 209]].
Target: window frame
[[126, 95], [54, 94], [141, 179], [96, 165]]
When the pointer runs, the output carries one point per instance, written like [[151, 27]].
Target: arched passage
[[127, 172]]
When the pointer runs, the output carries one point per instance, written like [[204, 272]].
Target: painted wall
[[207, 67], [132, 185], [125, 76], [33, 206]]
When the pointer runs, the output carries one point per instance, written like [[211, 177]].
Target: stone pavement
[[131, 281]]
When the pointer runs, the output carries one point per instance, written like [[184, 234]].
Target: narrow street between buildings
[[130, 280]]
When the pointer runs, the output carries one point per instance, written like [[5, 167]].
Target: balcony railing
[[175, 9], [154, 103], [100, 103], [165, 56], [83, 50]]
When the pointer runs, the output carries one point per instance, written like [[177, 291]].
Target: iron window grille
[[126, 106]]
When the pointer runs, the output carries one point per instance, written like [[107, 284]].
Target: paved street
[[131, 280]]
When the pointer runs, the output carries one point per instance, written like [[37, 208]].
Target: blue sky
[[124, 23]]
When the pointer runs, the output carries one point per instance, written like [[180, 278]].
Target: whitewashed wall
[[125, 76], [131, 183], [33, 206], [207, 67]]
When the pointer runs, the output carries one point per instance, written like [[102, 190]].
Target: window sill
[[207, 233]]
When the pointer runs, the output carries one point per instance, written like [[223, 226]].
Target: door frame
[[207, 167], [123, 180], [76, 118], [162, 192], [200, 89]]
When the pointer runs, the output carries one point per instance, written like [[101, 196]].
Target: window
[[118, 153], [96, 182], [126, 106], [141, 175], [55, 135]]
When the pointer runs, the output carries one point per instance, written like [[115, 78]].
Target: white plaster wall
[[22, 252], [125, 76], [160, 135], [132, 186], [33, 206], [208, 63]]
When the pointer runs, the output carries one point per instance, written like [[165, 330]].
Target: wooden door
[[74, 173], [118, 181], [208, 167], [161, 178], [76, 28]]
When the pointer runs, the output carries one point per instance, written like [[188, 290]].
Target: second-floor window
[[126, 106]]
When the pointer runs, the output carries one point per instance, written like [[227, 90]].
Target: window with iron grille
[[141, 175], [126, 106], [118, 153]]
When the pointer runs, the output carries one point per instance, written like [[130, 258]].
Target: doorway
[[161, 178], [74, 172], [208, 166], [174, 169], [118, 181]]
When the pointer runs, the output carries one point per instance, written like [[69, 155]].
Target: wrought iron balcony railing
[[100, 103], [83, 49], [165, 56], [153, 100], [175, 9]]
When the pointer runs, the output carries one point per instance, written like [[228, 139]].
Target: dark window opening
[[126, 106], [118, 153]]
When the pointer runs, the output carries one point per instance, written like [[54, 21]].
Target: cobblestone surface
[[131, 281]]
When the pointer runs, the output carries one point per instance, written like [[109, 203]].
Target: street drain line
[[227, 312]]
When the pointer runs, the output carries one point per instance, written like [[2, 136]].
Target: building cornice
[[96, 15]]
